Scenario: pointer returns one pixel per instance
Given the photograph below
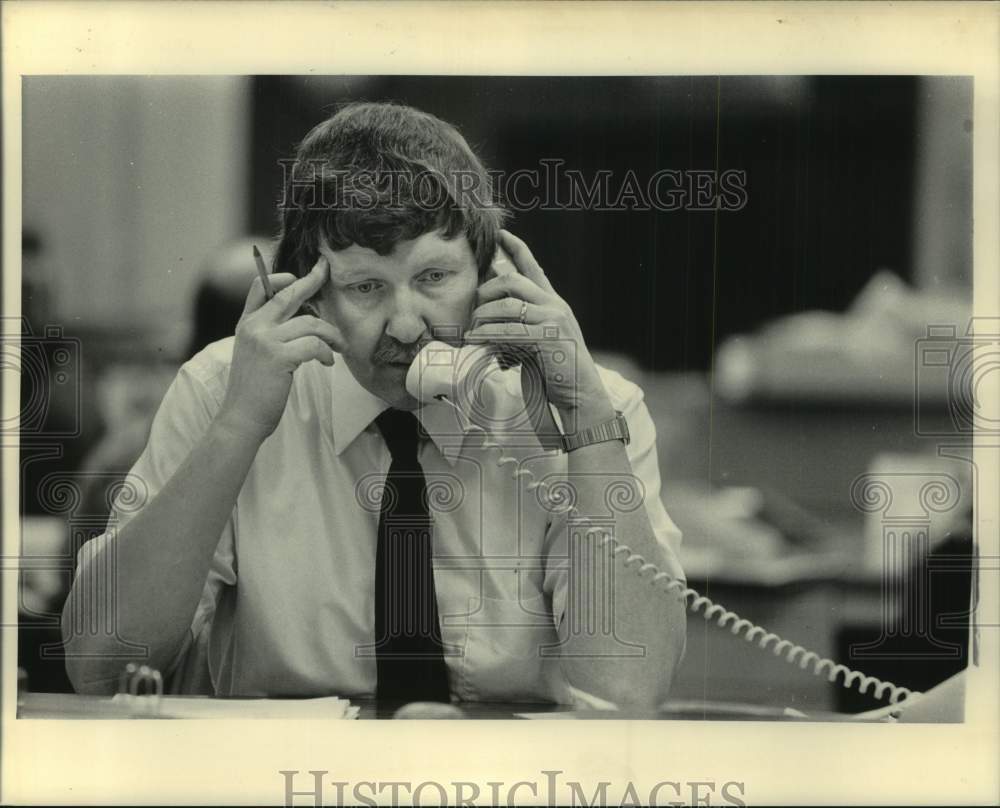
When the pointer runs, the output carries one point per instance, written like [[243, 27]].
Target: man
[[299, 525]]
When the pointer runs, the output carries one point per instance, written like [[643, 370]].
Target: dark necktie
[[408, 647]]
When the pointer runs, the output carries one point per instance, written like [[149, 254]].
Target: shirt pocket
[[503, 659]]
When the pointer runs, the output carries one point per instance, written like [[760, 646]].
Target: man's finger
[[524, 260], [304, 349], [519, 286], [256, 297], [289, 300], [308, 326], [508, 332], [509, 309]]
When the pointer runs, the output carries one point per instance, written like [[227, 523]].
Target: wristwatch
[[613, 429]]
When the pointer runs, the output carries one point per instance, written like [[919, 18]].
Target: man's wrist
[[229, 426], [594, 410]]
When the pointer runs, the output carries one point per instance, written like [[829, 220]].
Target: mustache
[[390, 352]]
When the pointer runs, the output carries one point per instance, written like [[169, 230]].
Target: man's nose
[[406, 320]]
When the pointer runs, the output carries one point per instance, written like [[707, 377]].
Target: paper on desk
[[326, 708], [567, 715], [583, 702]]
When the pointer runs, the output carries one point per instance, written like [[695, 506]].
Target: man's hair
[[375, 174]]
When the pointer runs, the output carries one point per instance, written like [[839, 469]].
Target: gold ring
[[524, 311]]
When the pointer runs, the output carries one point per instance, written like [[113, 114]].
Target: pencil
[[262, 271]]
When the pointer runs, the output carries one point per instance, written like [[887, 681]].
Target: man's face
[[388, 307]]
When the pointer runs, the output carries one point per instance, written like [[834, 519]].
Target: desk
[[65, 706], [810, 455]]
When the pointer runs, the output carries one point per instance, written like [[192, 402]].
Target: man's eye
[[435, 275], [365, 287]]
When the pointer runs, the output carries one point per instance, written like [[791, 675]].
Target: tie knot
[[399, 429]]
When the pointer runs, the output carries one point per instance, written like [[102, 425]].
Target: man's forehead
[[429, 248]]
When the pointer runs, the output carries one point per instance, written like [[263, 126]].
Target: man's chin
[[403, 401], [392, 387]]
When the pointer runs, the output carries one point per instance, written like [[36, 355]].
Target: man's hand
[[270, 344], [548, 332], [165, 552]]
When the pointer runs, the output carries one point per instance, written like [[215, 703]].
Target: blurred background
[[781, 345]]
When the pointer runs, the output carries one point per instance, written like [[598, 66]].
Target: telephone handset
[[463, 377], [503, 265], [464, 374], [441, 370]]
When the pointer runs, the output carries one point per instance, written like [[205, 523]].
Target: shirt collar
[[354, 408]]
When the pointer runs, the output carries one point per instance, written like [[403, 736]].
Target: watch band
[[613, 429]]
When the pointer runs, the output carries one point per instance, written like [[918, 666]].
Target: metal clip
[[141, 687]]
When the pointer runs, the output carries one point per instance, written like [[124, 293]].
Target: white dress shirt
[[288, 605]]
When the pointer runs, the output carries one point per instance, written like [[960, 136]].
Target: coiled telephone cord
[[696, 602]]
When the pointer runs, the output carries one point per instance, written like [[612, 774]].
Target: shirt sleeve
[[628, 398], [182, 419]]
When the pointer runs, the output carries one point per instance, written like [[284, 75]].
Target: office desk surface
[[70, 706]]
